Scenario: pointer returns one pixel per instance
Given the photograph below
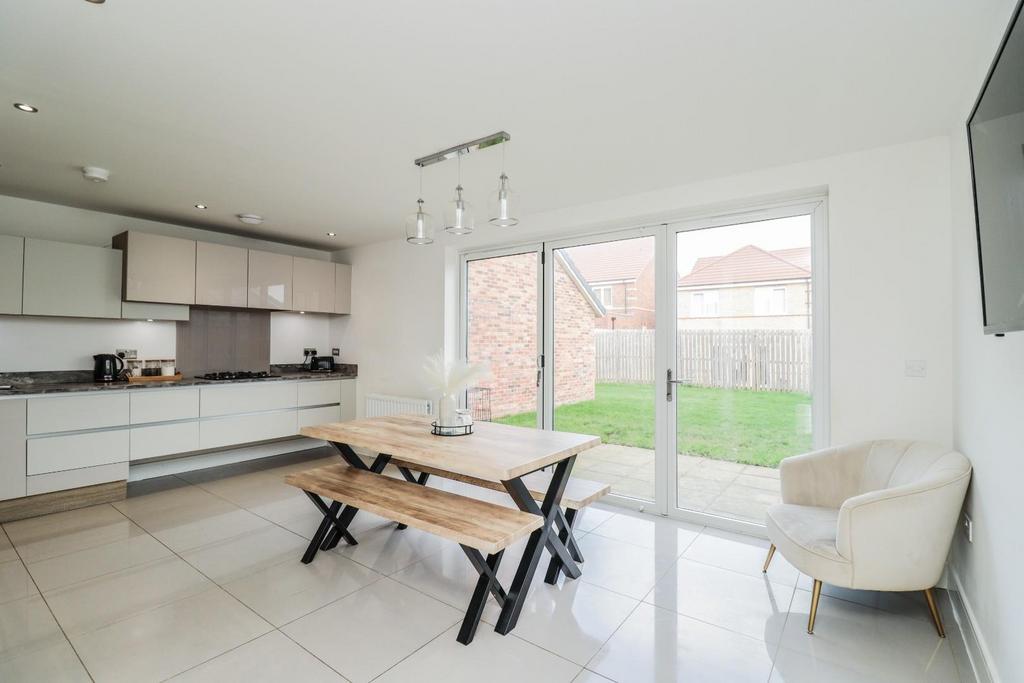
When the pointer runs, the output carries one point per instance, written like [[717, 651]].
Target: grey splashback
[[215, 340]]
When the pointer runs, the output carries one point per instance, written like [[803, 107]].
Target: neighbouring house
[[503, 331], [749, 288], [621, 275]]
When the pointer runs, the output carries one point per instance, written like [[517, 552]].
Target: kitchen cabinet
[[157, 269], [270, 281], [248, 397], [348, 399], [95, 410], [12, 261], [222, 275], [342, 288], [73, 479], [164, 405], [312, 285], [133, 310], [308, 417], [234, 430], [319, 393], [12, 449], [75, 451], [154, 441], [71, 280]]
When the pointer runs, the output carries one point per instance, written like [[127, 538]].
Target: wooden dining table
[[493, 453]]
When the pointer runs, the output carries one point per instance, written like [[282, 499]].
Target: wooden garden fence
[[761, 360]]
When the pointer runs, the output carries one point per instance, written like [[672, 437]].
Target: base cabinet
[[231, 431], [12, 449]]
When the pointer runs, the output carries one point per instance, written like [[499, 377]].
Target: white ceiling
[[310, 113]]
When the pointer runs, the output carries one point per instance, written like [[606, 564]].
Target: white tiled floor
[[197, 578]]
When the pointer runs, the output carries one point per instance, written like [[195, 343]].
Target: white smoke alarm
[[96, 174]]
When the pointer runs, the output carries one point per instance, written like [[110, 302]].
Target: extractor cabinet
[[222, 275]]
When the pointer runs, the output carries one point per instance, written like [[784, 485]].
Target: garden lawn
[[753, 427]]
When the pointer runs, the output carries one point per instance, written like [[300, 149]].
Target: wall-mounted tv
[[996, 133]]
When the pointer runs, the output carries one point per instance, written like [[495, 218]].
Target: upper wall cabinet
[[313, 285], [71, 280], [270, 281], [12, 260], [222, 275], [158, 269], [342, 288]]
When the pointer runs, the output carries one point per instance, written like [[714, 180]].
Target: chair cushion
[[806, 537]]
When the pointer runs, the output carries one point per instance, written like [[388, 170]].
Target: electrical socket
[[969, 527], [309, 351], [127, 354], [915, 368], [335, 352]]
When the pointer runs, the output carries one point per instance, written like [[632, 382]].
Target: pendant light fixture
[[500, 205], [419, 226], [458, 219]]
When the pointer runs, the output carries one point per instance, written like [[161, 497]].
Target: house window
[[704, 304], [770, 301], [604, 295]]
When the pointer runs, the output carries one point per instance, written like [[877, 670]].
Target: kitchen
[[235, 358]]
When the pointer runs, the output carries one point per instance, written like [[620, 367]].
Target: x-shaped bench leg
[[565, 520], [340, 530], [486, 584], [330, 521]]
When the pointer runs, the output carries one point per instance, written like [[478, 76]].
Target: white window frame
[[764, 295]]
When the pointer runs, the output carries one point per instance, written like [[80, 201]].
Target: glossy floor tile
[[366, 633], [198, 578]]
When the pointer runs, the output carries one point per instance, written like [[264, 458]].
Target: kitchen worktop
[[59, 382]]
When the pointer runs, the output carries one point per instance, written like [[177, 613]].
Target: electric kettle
[[107, 367]]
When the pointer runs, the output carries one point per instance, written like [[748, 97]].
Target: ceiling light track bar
[[464, 148]]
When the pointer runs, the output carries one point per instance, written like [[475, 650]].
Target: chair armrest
[[898, 538], [824, 478]]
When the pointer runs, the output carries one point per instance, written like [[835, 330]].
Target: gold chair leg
[[768, 560], [934, 609], [814, 605]]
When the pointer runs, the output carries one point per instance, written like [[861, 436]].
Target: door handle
[[669, 382]]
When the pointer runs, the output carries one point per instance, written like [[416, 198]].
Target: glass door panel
[[742, 371], [603, 364], [503, 330]]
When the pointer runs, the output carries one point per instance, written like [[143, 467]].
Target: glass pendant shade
[[459, 217], [501, 205], [419, 226]]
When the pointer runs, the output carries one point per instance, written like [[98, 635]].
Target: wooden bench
[[578, 494], [476, 525]]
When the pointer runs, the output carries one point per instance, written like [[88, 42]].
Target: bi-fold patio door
[[695, 349]]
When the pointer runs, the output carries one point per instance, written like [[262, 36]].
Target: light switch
[[916, 368]]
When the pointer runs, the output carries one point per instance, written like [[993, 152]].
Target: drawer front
[[70, 413], [318, 416], [246, 398], [319, 393], [73, 451], [155, 405], [230, 431], [12, 448], [348, 399], [155, 441], [73, 479]]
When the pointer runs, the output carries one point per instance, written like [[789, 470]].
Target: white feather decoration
[[450, 376]]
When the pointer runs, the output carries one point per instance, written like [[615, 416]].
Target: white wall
[[292, 332], [988, 393], [35, 343], [889, 279], [397, 319], [28, 343]]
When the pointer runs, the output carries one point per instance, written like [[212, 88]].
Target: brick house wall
[[502, 331]]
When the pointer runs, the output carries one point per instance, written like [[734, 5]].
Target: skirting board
[[202, 461], [973, 656], [61, 501]]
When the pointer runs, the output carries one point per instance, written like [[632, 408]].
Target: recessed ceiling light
[[332, 234], [250, 218], [27, 108], [302, 313], [201, 206]]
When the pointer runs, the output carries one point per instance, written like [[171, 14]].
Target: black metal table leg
[[485, 584], [352, 458], [538, 540], [565, 535]]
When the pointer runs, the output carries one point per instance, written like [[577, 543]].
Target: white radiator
[[380, 405]]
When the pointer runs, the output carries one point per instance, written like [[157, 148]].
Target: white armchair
[[877, 515]]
